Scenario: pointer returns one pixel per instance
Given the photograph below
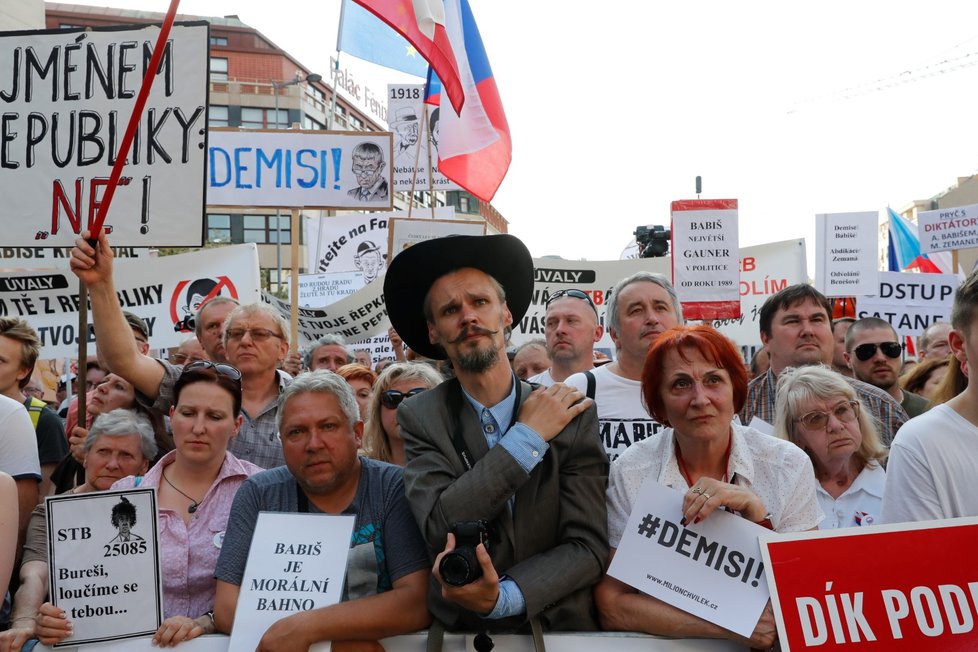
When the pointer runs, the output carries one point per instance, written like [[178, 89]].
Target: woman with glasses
[[196, 483], [820, 412], [381, 433], [694, 381], [361, 379]]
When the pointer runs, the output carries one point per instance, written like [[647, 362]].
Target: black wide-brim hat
[[414, 270]]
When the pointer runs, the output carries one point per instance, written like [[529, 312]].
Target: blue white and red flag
[[904, 249]]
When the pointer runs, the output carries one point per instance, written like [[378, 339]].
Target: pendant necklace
[[193, 503]]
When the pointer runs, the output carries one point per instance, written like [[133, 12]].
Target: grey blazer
[[554, 544]]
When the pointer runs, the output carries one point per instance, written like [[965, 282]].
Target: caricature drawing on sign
[[368, 166], [197, 293], [406, 128], [433, 131], [123, 518], [369, 260]]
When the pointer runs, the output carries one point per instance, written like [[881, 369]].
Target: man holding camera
[[506, 483]]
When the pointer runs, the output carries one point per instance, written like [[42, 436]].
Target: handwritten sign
[[104, 563], [317, 290], [911, 302], [948, 228], [406, 232], [415, 135], [712, 570], [297, 562], [706, 257], [65, 112], [846, 253], [355, 317], [296, 168]]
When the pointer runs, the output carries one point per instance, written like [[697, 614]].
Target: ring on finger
[[705, 495], [696, 490]]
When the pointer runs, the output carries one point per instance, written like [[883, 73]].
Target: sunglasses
[[890, 349], [845, 412], [221, 368], [392, 398], [575, 293]]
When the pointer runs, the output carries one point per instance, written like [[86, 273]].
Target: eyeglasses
[[257, 334], [575, 293], [392, 398], [890, 349], [220, 367], [845, 412], [360, 171]]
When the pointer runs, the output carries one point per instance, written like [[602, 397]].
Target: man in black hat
[[489, 458], [369, 260]]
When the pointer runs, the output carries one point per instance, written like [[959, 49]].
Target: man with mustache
[[641, 307], [520, 471], [875, 355]]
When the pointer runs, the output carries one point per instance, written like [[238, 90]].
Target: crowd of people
[[531, 457]]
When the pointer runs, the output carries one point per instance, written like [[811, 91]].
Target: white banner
[[356, 317], [712, 569], [162, 291], [320, 290], [65, 115], [295, 168], [347, 243], [405, 232], [846, 253], [948, 228], [911, 302], [19, 258], [414, 130], [705, 254], [105, 563]]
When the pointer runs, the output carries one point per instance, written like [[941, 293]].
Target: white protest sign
[[405, 232], [163, 291], [948, 228], [712, 569], [911, 302], [297, 562], [706, 257], [104, 563], [20, 258], [413, 134], [347, 243], [65, 114], [846, 255], [356, 317], [320, 290], [296, 168]]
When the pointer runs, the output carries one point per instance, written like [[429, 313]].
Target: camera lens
[[460, 567]]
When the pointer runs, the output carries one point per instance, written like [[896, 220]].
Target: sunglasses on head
[[221, 368], [572, 292], [890, 349], [392, 398]]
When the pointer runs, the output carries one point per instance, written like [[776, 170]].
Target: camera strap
[[468, 461]]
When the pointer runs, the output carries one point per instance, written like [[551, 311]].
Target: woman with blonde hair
[[819, 411], [381, 432], [925, 377]]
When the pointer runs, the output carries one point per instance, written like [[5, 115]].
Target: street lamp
[[276, 86]]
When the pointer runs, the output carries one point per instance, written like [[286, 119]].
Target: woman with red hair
[[694, 382]]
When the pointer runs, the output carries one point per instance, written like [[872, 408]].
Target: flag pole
[[431, 172]]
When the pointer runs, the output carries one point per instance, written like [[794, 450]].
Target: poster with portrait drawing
[[415, 128]]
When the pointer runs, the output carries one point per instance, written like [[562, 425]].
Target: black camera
[[652, 240], [460, 566]]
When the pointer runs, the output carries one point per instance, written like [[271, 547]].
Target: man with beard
[[874, 353], [522, 470]]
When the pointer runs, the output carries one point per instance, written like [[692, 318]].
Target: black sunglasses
[[575, 293], [890, 349], [392, 398], [220, 367]]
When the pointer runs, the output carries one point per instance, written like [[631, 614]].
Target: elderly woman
[[926, 377], [119, 443], [381, 432], [196, 483], [362, 380], [820, 412], [694, 381]]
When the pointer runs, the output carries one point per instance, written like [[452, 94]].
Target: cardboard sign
[[906, 587], [705, 257], [297, 168], [297, 562], [320, 290], [712, 569], [104, 564], [910, 302], [846, 257], [405, 232], [21, 258], [356, 317], [67, 103], [347, 243], [163, 291], [948, 228], [416, 136]]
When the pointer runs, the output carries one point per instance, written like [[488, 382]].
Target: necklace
[[682, 463], [193, 503]]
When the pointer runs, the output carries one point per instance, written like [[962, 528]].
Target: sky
[[793, 108]]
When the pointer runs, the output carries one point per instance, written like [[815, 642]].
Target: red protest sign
[[905, 587]]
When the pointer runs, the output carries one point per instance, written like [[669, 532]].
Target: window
[[311, 123], [315, 92], [219, 69], [261, 229], [255, 118], [217, 116], [357, 122], [219, 40], [219, 228]]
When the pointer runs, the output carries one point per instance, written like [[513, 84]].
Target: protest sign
[[297, 562], [889, 587], [356, 317], [416, 134], [910, 302], [347, 243], [18, 258], [320, 290], [712, 569], [297, 168], [948, 228], [104, 563], [846, 256], [406, 232], [705, 257], [163, 291], [66, 107]]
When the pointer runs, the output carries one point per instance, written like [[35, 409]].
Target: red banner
[[901, 587]]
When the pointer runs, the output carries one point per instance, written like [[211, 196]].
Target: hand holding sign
[[53, 625], [708, 494], [91, 265]]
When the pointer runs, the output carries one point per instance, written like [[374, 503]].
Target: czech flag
[[904, 249], [474, 145], [422, 23]]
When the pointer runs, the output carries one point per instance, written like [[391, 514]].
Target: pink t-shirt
[[189, 552]]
